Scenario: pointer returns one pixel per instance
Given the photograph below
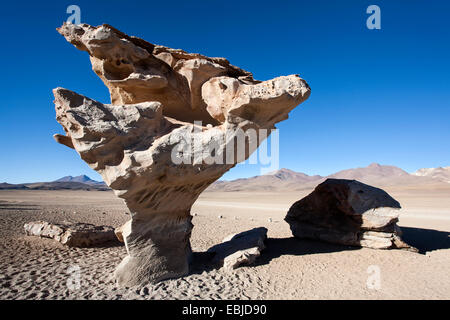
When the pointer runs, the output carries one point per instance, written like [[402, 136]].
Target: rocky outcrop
[[72, 234], [348, 212], [168, 133], [240, 249]]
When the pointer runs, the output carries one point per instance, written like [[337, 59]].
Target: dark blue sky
[[377, 95]]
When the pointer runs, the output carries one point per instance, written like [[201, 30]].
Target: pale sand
[[33, 268]]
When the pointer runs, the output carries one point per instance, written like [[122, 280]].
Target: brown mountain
[[288, 180], [382, 175], [283, 179]]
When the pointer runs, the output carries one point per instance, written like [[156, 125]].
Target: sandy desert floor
[[34, 268]]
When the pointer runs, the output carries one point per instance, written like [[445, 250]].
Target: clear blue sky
[[377, 95]]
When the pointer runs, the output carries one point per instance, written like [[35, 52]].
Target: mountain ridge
[[285, 179], [280, 180], [440, 173], [81, 182], [81, 178]]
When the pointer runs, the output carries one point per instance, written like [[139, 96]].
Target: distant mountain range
[[441, 173], [82, 179], [82, 182], [280, 180], [374, 174]]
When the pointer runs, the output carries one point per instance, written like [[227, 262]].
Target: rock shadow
[[106, 245], [426, 240], [203, 262], [277, 247], [214, 256]]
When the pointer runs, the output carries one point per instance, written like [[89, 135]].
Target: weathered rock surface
[[141, 143], [240, 249], [348, 212], [72, 234], [119, 231]]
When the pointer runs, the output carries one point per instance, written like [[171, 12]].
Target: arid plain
[[289, 268]]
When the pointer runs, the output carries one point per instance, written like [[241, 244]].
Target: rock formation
[[71, 234], [240, 249], [162, 99], [348, 212]]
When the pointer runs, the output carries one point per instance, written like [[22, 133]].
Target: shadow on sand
[[425, 240], [277, 247], [203, 261]]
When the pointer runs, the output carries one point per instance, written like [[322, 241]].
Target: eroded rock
[[162, 99], [72, 234], [240, 249], [348, 212], [119, 231]]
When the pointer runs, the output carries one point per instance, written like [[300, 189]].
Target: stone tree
[[174, 126]]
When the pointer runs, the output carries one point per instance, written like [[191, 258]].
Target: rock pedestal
[[348, 212], [176, 123]]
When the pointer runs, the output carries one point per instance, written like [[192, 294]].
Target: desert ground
[[289, 268]]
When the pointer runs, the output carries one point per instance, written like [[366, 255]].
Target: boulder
[[348, 212], [240, 249], [71, 234], [168, 133]]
